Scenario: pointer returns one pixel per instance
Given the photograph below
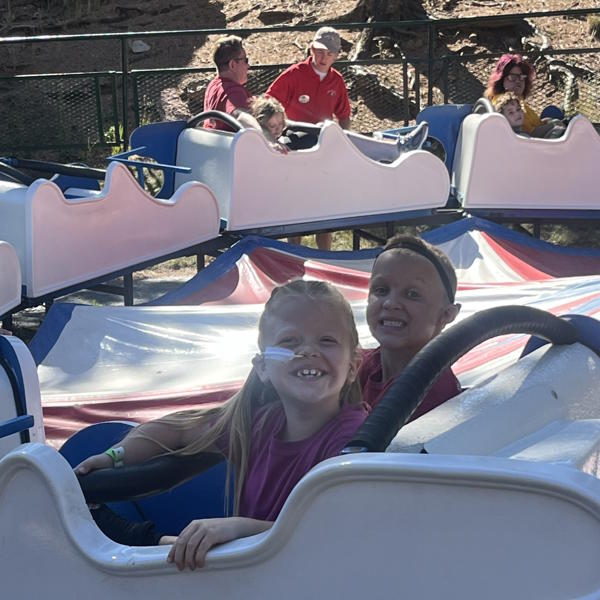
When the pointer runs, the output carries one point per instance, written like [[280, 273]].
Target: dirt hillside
[[56, 17]]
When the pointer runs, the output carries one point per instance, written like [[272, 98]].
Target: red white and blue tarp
[[194, 345]]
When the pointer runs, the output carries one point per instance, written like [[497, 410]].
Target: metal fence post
[[405, 90], [430, 52], [99, 109], [125, 99]]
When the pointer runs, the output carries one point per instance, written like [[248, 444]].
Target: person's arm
[[246, 119], [143, 442], [343, 110], [190, 547]]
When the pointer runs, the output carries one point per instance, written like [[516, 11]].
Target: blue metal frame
[[23, 421], [524, 215], [16, 425], [140, 164], [420, 216]]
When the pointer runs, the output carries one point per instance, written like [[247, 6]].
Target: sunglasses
[[243, 59], [514, 77]]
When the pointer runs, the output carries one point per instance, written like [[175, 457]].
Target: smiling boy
[[411, 299]]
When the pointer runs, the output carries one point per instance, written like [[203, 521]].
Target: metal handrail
[[310, 27], [429, 60]]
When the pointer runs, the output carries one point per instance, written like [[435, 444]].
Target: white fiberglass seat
[[63, 241], [258, 187], [10, 278], [495, 168]]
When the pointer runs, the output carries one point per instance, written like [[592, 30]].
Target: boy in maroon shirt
[[411, 299]]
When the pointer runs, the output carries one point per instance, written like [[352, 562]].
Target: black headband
[[431, 257]]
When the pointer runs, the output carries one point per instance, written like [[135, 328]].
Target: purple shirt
[[275, 466]]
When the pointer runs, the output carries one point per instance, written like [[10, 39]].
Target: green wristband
[[117, 455]]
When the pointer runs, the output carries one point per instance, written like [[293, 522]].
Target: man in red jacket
[[312, 91]]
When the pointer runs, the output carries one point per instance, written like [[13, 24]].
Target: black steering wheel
[[229, 120], [145, 479], [15, 175], [482, 106], [393, 411], [408, 391]]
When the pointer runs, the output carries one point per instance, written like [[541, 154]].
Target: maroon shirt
[[370, 377], [275, 466], [225, 95]]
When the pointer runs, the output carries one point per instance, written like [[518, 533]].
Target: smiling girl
[[300, 405]]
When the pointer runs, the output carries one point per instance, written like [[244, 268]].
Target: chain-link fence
[[558, 81], [86, 109], [58, 111], [377, 92]]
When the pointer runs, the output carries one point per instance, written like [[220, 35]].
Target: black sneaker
[[124, 531]]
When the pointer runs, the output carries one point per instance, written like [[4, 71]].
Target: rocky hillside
[[56, 17], [184, 96]]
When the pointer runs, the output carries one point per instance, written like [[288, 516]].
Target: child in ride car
[[299, 405], [411, 299], [509, 105]]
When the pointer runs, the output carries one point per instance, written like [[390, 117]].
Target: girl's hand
[[190, 548], [278, 147], [98, 461]]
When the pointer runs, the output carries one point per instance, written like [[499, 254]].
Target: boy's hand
[[98, 461], [190, 548]]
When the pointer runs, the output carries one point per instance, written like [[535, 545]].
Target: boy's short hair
[[502, 100], [226, 49], [432, 253]]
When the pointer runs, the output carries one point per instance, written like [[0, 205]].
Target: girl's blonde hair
[[264, 107], [234, 417], [502, 100]]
